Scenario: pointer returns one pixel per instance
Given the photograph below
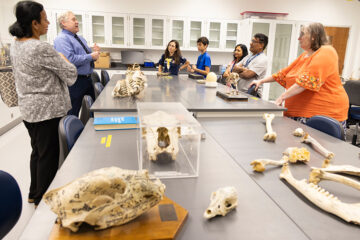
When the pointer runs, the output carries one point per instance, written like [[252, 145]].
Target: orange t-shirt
[[319, 75]]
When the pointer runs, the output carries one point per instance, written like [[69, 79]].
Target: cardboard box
[[103, 61]]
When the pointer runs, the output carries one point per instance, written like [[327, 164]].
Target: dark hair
[[203, 40], [317, 35], [177, 53], [262, 38], [244, 51], [25, 12]]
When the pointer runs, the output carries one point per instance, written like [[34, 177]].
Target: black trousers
[[44, 158], [83, 86]]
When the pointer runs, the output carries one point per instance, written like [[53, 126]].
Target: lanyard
[[251, 58]]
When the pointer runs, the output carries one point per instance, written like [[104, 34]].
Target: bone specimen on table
[[105, 197], [299, 132], [233, 79], [297, 154], [318, 174], [317, 146], [270, 134], [323, 199], [162, 133], [259, 164], [132, 85], [345, 169], [222, 202]]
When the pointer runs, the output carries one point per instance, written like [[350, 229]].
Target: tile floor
[[15, 152]]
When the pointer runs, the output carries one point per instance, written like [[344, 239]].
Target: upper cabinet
[[119, 30], [138, 31], [214, 35], [196, 30], [231, 34], [157, 32], [178, 30]]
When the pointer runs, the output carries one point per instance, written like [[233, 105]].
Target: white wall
[[328, 12]]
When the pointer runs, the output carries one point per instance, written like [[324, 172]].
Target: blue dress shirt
[[66, 43]]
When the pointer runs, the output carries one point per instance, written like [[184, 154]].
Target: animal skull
[[105, 197], [162, 133], [270, 134], [132, 85], [222, 202]]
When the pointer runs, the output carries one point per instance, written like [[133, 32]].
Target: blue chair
[[10, 203], [95, 77], [352, 88], [104, 77], [85, 109], [252, 91], [327, 125], [98, 87], [70, 128]]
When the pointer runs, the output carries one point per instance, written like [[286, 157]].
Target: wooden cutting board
[[161, 222]]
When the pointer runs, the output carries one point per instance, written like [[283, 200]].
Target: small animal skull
[[222, 202]]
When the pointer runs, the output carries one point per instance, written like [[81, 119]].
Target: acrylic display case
[[169, 140]]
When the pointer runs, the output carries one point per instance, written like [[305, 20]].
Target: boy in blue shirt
[[204, 62]]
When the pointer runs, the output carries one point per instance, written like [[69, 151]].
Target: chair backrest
[[95, 77], [98, 87], [352, 88], [70, 128], [10, 203], [327, 125], [85, 109], [104, 77]]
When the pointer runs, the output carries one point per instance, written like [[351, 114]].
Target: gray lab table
[[242, 138], [256, 217], [195, 97]]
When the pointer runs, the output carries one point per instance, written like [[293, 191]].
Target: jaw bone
[[270, 135], [323, 199], [317, 146], [318, 174]]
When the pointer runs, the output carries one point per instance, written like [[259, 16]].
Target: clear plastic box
[[169, 140]]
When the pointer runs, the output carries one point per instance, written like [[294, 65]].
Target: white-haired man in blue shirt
[[76, 50]]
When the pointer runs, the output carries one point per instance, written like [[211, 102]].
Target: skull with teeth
[[222, 202]]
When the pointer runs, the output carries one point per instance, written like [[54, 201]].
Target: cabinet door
[[157, 29], [118, 30], [98, 29], [231, 36], [138, 31], [196, 30], [177, 28], [214, 34]]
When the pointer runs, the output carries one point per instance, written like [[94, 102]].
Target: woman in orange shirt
[[312, 82]]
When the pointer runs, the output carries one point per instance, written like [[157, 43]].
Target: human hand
[[257, 84], [95, 55], [279, 101], [96, 48]]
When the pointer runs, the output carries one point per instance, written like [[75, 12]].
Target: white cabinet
[[231, 34], [98, 30], [214, 34], [157, 32], [119, 30], [178, 30], [196, 29], [138, 31]]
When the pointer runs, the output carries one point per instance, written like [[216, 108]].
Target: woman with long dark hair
[[240, 52], [171, 60], [42, 76]]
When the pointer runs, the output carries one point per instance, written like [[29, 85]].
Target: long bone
[[318, 174], [259, 164], [323, 199], [270, 135], [297, 154], [317, 146], [299, 132]]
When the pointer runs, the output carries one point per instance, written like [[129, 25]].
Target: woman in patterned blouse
[[41, 77], [312, 82]]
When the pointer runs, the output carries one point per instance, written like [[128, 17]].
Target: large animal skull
[[161, 134], [105, 197], [222, 202]]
